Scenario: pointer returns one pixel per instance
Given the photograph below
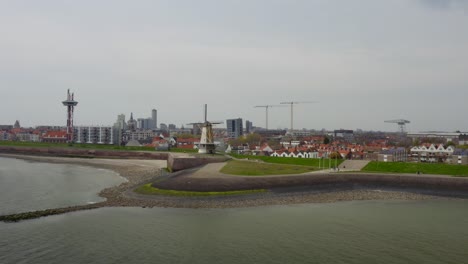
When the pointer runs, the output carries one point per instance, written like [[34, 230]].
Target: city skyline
[[364, 64]]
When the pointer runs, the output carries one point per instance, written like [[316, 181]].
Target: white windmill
[[207, 145]]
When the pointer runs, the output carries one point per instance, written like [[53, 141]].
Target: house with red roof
[[55, 137], [187, 143]]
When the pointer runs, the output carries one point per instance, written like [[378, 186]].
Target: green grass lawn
[[183, 150], [425, 168], [292, 161], [248, 168], [148, 189]]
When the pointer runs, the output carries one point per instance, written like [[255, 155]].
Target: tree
[[253, 139], [335, 155], [326, 141], [236, 142]]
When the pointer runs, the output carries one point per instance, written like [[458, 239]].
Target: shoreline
[[139, 172]]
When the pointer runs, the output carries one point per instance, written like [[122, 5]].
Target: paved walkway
[[353, 165], [210, 170]]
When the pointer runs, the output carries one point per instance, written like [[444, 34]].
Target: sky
[[361, 61]]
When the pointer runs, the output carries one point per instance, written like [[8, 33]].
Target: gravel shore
[[141, 172]]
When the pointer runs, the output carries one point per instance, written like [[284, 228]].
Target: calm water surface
[[27, 186], [345, 232]]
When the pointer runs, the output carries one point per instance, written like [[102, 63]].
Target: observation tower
[[70, 103]]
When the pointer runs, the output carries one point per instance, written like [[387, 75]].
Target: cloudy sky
[[363, 61]]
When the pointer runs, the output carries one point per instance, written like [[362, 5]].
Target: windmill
[[266, 110], [292, 112], [401, 124], [206, 145]]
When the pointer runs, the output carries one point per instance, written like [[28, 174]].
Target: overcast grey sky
[[365, 61]]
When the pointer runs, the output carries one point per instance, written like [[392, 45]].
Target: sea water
[[28, 186], [431, 231]]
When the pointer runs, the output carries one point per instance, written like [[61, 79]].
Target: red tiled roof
[[16, 130], [190, 146], [55, 134], [187, 140]]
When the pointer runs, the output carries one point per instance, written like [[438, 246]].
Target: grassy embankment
[[148, 189], [324, 163], [425, 168], [86, 146], [249, 168]]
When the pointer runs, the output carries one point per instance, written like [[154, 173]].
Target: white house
[[432, 153]]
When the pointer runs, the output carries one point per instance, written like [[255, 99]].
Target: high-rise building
[[120, 124], [234, 127], [248, 126], [119, 127], [154, 117], [172, 127], [145, 123], [163, 126]]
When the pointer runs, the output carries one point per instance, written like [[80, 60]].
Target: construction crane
[[266, 111], [401, 124], [292, 111]]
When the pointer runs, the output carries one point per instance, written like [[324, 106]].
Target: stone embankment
[[83, 153], [231, 183], [175, 161]]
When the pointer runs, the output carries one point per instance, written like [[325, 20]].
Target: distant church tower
[[17, 124], [131, 124]]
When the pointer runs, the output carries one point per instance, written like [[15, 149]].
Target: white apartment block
[[93, 135]]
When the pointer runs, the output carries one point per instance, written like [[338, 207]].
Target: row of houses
[[424, 153], [432, 153], [82, 134], [20, 134], [429, 153], [305, 151]]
